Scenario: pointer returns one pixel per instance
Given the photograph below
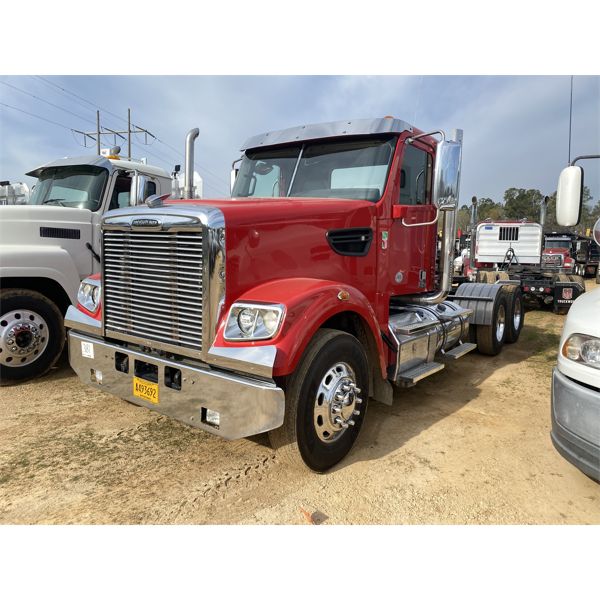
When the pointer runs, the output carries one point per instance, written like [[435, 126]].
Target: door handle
[[437, 215]]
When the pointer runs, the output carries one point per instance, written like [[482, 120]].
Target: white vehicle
[[576, 378], [13, 193], [50, 244]]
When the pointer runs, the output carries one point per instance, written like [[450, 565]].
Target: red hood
[[278, 238], [563, 251]]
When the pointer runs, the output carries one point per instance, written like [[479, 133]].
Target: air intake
[[351, 242]]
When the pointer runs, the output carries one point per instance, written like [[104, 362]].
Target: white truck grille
[[153, 286]]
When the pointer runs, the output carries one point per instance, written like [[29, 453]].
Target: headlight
[[583, 349], [89, 294], [253, 321]]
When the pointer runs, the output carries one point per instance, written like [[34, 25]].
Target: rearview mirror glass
[[446, 176], [569, 195], [596, 233]]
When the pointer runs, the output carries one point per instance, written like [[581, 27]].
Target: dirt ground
[[470, 444]]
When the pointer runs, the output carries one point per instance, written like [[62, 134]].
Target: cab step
[[412, 376], [458, 351]]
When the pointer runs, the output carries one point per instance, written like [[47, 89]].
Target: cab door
[[413, 231]]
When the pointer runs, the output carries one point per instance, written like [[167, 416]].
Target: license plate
[[145, 390]]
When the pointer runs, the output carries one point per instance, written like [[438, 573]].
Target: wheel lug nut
[[336, 410], [358, 401], [356, 413], [350, 422]]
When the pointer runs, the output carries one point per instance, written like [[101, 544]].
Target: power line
[[36, 116], [14, 87], [178, 154], [66, 91]]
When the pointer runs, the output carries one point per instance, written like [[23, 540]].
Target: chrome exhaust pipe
[[473, 231], [188, 190], [543, 211]]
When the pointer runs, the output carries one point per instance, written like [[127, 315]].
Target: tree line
[[519, 203]]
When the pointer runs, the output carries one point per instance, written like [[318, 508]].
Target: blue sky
[[515, 128]]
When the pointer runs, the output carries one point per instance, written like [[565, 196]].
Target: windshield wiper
[[49, 200]]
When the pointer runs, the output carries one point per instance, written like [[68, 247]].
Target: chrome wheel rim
[[23, 337], [517, 314], [336, 403], [500, 323]]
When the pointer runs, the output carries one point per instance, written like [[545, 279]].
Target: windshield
[[74, 187], [558, 244], [355, 169]]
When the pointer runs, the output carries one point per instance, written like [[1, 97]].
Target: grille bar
[[153, 286]]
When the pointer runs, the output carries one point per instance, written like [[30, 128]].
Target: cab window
[[415, 176]]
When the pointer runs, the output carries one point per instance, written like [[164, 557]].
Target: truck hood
[[283, 238], [21, 224]]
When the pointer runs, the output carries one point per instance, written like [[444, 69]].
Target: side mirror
[[138, 189], [596, 233], [446, 176], [233, 177], [569, 196]]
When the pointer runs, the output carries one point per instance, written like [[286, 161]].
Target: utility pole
[[129, 133], [96, 136], [98, 131]]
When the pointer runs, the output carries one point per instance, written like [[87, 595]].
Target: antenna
[[570, 119]]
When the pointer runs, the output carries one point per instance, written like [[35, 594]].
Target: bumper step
[[458, 351], [412, 376]]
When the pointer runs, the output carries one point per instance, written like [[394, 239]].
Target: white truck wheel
[[32, 335]]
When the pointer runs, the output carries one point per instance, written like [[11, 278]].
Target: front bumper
[[576, 423], [246, 406]]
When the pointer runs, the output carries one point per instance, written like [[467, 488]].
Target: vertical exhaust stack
[[188, 190], [473, 230], [543, 211]]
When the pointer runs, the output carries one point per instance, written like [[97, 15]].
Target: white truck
[[576, 378], [50, 244]]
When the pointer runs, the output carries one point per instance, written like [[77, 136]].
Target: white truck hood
[[583, 317], [33, 235], [22, 223]]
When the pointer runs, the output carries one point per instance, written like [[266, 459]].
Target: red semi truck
[[286, 308]]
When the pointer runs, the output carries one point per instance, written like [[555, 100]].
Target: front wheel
[[326, 400], [32, 335]]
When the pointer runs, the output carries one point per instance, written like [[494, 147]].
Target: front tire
[[32, 335], [326, 400]]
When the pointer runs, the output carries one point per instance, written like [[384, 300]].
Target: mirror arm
[[584, 157]]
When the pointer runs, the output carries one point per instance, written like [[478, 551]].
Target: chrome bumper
[[246, 406], [576, 423]]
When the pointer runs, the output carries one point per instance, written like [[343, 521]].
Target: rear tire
[[490, 338], [515, 315], [333, 365], [32, 335]]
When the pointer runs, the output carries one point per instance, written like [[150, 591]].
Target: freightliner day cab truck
[[50, 244], [289, 306], [576, 378]]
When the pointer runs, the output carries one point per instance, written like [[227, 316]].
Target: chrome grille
[[153, 286]]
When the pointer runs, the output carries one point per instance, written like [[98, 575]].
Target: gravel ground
[[470, 444]]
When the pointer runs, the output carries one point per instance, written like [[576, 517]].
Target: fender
[[308, 304], [52, 262]]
